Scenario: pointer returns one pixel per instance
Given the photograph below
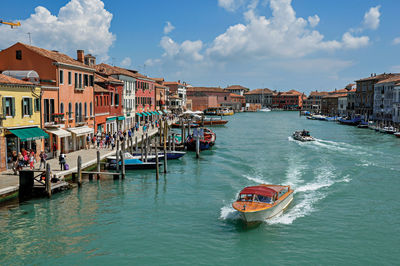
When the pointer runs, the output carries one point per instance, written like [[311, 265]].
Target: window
[[91, 83], [69, 78], [101, 101], [80, 112], [8, 106], [76, 80], [91, 109], [116, 99], [26, 106], [61, 108], [85, 109], [76, 112], [18, 55], [37, 105], [80, 80], [85, 80], [61, 76], [112, 98], [70, 110]]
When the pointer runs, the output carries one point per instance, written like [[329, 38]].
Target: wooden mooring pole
[[173, 141], [122, 165], [141, 148], [165, 145], [157, 166], [48, 181], [98, 166], [79, 171], [136, 144], [197, 146], [117, 154]]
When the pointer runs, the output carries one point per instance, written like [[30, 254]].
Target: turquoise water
[[345, 211]]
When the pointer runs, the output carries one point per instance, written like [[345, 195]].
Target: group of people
[[26, 158]]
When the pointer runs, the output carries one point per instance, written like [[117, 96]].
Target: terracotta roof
[[160, 86], [259, 91], [158, 79], [291, 92], [4, 79], [98, 88], [233, 95], [113, 70], [55, 56], [237, 87], [379, 77], [319, 93], [206, 89], [391, 79], [101, 78]]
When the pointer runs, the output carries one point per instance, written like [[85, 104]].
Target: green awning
[[33, 133], [111, 118], [159, 112], [148, 113], [139, 114], [144, 114], [154, 113], [120, 118], [165, 112]]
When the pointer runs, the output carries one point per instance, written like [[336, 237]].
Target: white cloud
[[126, 62], [396, 41], [351, 42], [313, 20], [282, 41], [168, 27], [80, 24], [372, 18], [230, 5]]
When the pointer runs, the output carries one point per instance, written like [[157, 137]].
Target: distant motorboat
[[303, 135], [389, 130], [397, 134], [131, 163], [266, 109], [350, 121]]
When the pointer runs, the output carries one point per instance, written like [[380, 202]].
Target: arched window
[[76, 111], [70, 110], [80, 112]]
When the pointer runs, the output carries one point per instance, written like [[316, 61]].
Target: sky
[[278, 44]]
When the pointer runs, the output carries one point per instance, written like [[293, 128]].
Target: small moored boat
[[303, 135], [397, 134], [257, 203]]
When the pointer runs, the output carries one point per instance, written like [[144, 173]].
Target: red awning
[[259, 190]]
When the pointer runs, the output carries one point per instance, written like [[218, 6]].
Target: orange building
[[67, 93], [288, 100]]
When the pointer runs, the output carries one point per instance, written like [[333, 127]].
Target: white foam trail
[[255, 179], [229, 213], [294, 171], [308, 195]]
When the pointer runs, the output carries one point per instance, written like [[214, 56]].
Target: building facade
[[67, 93], [177, 89], [259, 96], [290, 100], [384, 100], [237, 89], [313, 102], [19, 119], [365, 87]]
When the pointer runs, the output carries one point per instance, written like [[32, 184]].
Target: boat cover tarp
[[259, 190]]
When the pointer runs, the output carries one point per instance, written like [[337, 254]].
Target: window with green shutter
[[37, 105], [30, 106], [12, 106]]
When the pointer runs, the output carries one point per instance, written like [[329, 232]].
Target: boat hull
[[259, 216], [170, 155]]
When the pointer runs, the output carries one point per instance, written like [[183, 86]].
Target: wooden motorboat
[[258, 203], [389, 130], [213, 122], [134, 164], [303, 135], [206, 141], [171, 155]]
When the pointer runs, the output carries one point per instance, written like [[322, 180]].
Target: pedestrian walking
[[43, 158], [61, 160]]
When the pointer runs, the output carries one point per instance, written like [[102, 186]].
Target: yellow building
[[19, 118]]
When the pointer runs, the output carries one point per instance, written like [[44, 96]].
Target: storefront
[[78, 139], [24, 139], [60, 137], [111, 124]]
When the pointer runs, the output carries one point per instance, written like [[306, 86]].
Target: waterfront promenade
[[9, 182]]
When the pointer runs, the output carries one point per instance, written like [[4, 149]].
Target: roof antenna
[[30, 40]]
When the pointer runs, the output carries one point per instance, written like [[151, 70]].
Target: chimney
[[80, 55]]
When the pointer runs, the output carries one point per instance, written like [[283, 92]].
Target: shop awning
[[61, 133], [139, 114], [148, 113], [32, 133], [165, 112], [81, 131], [120, 118], [155, 113], [144, 114], [111, 118]]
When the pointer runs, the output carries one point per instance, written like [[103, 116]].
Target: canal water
[[345, 211]]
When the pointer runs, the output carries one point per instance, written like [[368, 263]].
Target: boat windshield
[[254, 198]]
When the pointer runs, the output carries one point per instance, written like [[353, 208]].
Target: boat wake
[[229, 213], [307, 195]]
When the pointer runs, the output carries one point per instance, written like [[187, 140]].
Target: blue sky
[[279, 44]]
